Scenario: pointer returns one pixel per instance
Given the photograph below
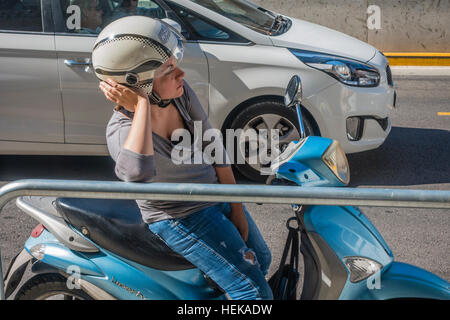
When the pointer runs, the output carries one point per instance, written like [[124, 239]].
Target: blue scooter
[[101, 249]]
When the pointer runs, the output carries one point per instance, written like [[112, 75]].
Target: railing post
[[2, 284]]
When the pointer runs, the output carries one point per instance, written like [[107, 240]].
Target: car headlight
[[335, 159], [361, 268], [347, 71]]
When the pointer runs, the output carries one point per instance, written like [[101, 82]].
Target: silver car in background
[[238, 59]]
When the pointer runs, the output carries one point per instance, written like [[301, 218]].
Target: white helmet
[[130, 49]]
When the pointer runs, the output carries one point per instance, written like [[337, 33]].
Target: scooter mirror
[[294, 92]]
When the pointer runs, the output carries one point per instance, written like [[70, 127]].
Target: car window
[[91, 16], [243, 12], [199, 28], [20, 15]]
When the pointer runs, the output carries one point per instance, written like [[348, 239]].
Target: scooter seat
[[117, 226]]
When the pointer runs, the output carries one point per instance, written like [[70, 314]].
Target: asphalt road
[[415, 156]]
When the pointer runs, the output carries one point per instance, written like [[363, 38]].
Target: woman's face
[[168, 81]]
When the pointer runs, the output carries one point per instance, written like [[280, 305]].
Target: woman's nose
[[180, 73]]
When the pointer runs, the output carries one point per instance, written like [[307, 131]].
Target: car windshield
[[244, 12]]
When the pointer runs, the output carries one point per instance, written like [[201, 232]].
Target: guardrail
[[222, 193]]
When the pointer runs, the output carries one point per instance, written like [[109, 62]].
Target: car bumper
[[332, 106]]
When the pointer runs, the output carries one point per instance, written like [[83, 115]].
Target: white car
[[238, 58]]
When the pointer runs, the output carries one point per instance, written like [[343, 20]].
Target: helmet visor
[[178, 51], [176, 43]]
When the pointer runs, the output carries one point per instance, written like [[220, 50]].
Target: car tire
[[262, 115]]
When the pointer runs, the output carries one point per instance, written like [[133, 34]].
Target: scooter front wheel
[[50, 286]]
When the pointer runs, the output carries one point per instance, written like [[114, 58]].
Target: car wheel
[[266, 115]]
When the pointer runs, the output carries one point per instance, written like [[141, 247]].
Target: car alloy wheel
[[266, 115]]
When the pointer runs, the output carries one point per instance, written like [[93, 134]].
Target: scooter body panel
[[336, 233], [346, 235], [122, 278], [306, 167], [400, 280], [348, 232]]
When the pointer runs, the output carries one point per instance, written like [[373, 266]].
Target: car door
[[30, 102], [86, 110]]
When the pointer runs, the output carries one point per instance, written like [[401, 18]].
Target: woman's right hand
[[122, 95]]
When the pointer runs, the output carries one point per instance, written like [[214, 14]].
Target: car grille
[[389, 76]]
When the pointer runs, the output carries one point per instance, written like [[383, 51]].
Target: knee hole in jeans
[[248, 255]]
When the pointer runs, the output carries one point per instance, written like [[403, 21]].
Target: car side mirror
[[294, 92]]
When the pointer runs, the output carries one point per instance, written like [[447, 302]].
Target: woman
[[91, 16], [221, 239]]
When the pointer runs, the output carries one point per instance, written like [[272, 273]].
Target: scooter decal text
[[130, 290]]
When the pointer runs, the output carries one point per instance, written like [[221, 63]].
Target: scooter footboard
[[403, 280]]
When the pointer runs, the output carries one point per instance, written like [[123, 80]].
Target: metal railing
[[222, 193]]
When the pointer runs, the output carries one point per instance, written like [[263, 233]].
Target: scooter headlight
[[336, 160], [361, 268]]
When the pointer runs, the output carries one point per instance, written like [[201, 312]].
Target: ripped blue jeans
[[210, 241]]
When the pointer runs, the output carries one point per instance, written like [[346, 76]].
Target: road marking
[[418, 58], [443, 113], [418, 54]]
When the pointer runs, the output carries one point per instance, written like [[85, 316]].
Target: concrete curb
[[440, 59], [420, 71]]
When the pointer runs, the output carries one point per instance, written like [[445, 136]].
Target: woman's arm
[[132, 146], [139, 139], [225, 176]]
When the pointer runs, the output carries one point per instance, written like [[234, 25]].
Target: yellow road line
[[417, 54], [418, 58], [443, 113]]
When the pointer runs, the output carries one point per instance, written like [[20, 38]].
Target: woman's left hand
[[122, 95], [238, 218]]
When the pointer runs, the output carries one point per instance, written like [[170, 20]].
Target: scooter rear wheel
[[50, 286]]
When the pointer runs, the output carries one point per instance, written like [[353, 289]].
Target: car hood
[[313, 37]]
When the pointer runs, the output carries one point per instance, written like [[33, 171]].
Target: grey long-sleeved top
[[131, 166]]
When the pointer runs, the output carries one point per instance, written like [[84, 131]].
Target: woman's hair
[[126, 3], [83, 4]]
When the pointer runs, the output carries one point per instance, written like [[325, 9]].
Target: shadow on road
[[56, 167], [410, 156]]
